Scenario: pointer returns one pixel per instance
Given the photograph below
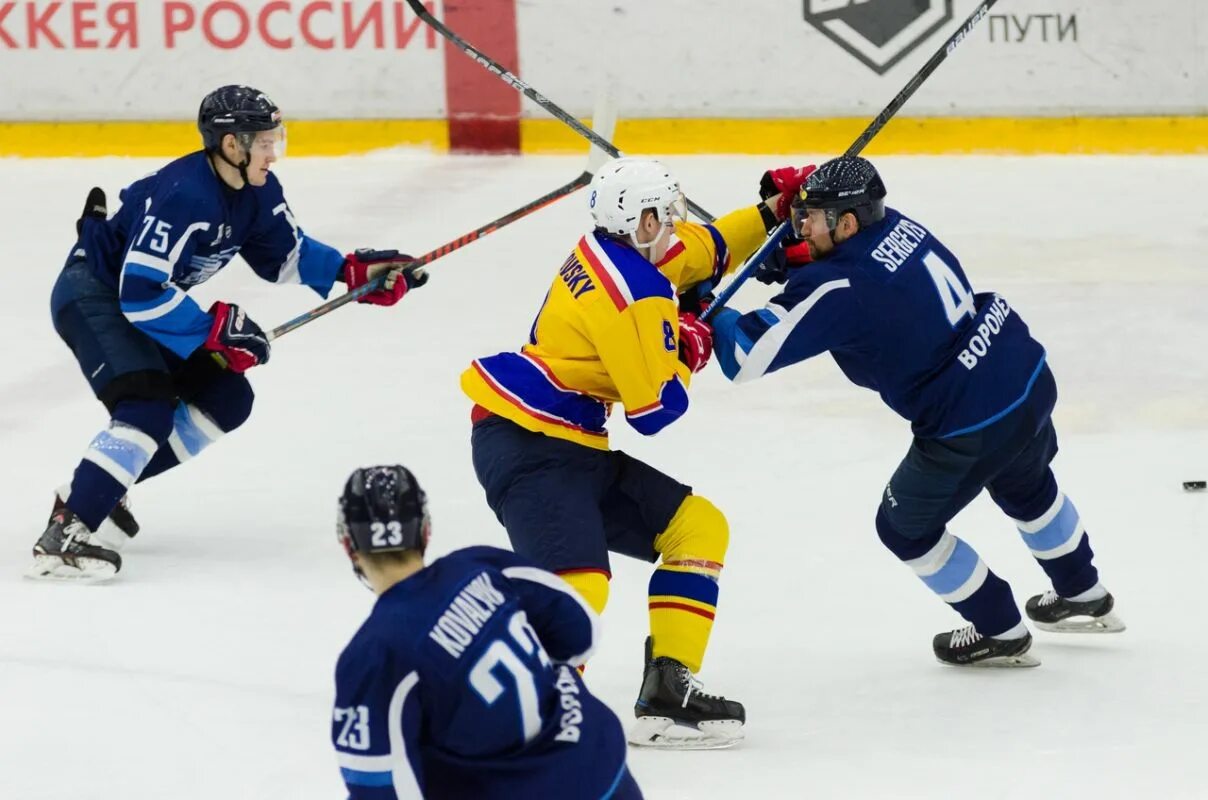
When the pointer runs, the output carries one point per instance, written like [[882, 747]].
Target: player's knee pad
[[591, 584], [194, 428], [143, 385], [903, 546], [697, 537], [227, 402]]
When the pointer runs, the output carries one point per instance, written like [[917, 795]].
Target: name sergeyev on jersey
[[899, 244]]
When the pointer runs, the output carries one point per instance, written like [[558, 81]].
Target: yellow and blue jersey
[[608, 332]]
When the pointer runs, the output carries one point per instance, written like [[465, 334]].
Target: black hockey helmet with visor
[[382, 510], [848, 184], [250, 115]]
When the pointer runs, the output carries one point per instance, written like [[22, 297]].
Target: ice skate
[[67, 551], [1052, 612], [965, 647], [672, 711], [118, 528]]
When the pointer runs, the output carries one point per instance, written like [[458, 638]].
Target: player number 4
[[956, 297]]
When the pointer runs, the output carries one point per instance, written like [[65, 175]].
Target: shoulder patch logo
[[880, 33]]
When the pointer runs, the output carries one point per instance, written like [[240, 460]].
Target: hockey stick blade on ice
[[605, 120], [497, 69], [857, 146]]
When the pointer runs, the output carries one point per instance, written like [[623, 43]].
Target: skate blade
[[1000, 662], [1108, 623], [85, 570], [664, 733]]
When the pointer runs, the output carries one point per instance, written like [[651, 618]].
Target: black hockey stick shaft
[[922, 75], [443, 250], [857, 146], [494, 67]]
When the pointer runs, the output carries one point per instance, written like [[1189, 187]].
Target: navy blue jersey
[[897, 313], [180, 225], [462, 684]]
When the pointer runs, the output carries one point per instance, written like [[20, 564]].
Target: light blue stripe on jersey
[[988, 422], [1056, 533], [767, 316], [133, 307], [152, 274], [956, 570], [182, 330], [357, 777], [318, 264]]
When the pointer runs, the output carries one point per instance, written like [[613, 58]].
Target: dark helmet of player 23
[[383, 510], [237, 110], [842, 185]]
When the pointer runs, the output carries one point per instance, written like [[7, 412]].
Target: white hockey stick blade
[[663, 733], [603, 122], [85, 570], [1108, 623]]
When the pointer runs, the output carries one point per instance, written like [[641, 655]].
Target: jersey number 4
[[956, 297], [500, 659]]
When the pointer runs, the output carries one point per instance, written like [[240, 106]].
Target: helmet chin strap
[[247, 161]]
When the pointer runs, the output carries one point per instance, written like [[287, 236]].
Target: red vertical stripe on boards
[[483, 111]]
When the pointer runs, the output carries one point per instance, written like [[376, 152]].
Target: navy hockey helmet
[[383, 510], [848, 184], [237, 110]]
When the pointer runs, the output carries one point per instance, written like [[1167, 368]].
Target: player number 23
[[389, 534], [501, 655], [355, 733]]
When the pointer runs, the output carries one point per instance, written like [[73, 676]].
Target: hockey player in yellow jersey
[[609, 332]]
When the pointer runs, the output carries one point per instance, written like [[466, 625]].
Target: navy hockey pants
[[566, 506]]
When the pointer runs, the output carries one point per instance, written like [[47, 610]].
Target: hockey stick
[[497, 69], [857, 146], [605, 119]]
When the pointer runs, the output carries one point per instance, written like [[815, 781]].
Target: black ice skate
[[965, 647], [118, 528], [66, 551], [1052, 612], [673, 712]]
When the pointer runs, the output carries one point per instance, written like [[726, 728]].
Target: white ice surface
[[204, 671]]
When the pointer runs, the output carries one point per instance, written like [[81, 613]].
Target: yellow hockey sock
[[683, 590], [591, 584]]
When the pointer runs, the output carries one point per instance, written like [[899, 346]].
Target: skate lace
[[965, 636], [693, 686], [1048, 598], [75, 532]]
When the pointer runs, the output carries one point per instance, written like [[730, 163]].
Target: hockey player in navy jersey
[[148, 351], [462, 681], [897, 313]]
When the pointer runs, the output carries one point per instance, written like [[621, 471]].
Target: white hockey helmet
[[624, 187]]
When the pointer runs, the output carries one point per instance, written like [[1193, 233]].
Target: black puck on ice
[[1195, 486]]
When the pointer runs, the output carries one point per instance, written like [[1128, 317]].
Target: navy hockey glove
[[695, 341], [364, 265], [790, 254], [238, 341]]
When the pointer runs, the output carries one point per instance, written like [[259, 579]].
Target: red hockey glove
[[240, 342], [695, 341], [786, 182], [364, 265]]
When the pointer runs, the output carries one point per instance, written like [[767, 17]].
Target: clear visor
[[799, 215], [265, 143], [677, 210]]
